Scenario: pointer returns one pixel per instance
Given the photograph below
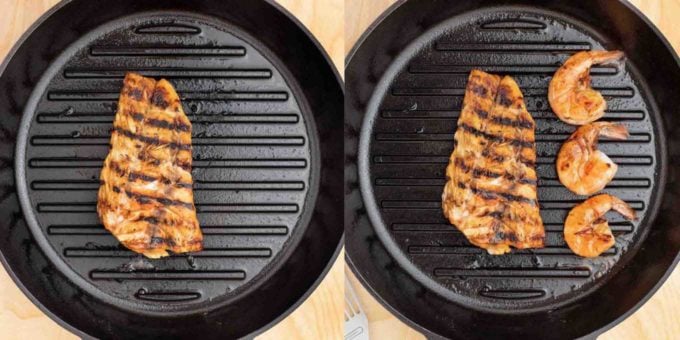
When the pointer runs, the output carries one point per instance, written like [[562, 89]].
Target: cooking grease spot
[[192, 262], [138, 263]]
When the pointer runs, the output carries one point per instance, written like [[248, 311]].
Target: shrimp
[[581, 167], [586, 231], [570, 94]]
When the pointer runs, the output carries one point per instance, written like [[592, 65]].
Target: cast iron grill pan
[[256, 168], [250, 147], [407, 136], [412, 140]]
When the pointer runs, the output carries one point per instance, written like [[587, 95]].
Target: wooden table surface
[[319, 317], [659, 318]]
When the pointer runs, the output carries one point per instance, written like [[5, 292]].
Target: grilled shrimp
[[570, 95], [581, 167], [586, 231]]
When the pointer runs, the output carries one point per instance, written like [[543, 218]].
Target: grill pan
[[265, 153], [406, 78]]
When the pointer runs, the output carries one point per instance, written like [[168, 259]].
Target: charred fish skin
[[491, 190], [145, 198]]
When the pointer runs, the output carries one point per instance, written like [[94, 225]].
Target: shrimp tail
[[612, 130], [605, 57], [623, 208]]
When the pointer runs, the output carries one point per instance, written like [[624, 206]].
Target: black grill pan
[[264, 100], [406, 78]]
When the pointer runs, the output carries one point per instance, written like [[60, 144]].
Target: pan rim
[[327, 266], [5, 264], [365, 282]]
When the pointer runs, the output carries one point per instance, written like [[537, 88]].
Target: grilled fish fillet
[[490, 194], [146, 198]]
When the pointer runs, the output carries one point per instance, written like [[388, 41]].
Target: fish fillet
[[490, 194], [145, 199]]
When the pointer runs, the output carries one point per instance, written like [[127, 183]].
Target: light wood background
[[319, 317], [659, 318]]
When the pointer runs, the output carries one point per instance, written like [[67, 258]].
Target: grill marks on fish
[[133, 176], [503, 97], [491, 193], [163, 124], [496, 138], [505, 121], [146, 197], [160, 98], [484, 172], [135, 93], [478, 89], [516, 123], [151, 140], [489, 154]]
